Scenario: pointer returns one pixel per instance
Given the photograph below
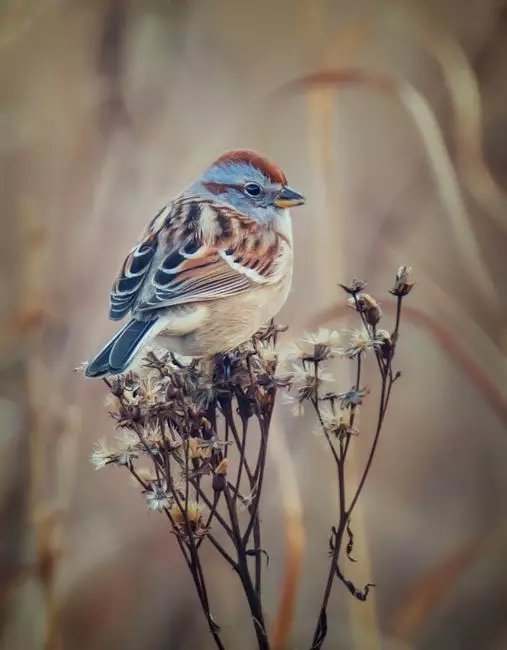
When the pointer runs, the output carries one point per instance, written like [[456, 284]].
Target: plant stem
[[387, 380], [253, 598], [386, 390], [258, 475]]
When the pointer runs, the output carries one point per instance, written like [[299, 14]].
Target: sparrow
[[210, 269]]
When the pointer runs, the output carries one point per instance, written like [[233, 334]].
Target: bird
[[210, 269]]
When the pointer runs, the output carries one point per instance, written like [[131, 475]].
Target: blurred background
[[110, 107]]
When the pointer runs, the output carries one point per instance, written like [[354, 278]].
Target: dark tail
[[116, 355]]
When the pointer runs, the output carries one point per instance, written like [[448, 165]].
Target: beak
[[288, 198]]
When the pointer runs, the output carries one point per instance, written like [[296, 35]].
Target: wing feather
[[132, 276], [211, 278], [193, 251]]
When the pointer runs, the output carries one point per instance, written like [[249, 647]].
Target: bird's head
[[250, 183]]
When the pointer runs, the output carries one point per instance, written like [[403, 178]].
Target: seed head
[[316, 346], [360, 342], [158, 497]]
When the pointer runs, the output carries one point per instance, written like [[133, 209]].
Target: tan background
[[107, 110]]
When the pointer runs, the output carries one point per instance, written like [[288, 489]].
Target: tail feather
[[116, 355], [126, 345]]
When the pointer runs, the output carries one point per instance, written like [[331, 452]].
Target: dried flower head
[[191, 516], [152, 435], [352, 397], [316, 346], [336, 422], [158, 496], [402, 285], [129, 447], [359, 343], [307, 381], [150, 391], [101, 455]]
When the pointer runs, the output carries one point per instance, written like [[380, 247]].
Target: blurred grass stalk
[[52, 424], [342, 48], [434, 146], [294, 532], [465, 96]]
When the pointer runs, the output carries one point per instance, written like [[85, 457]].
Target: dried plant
[[186, 438], [186, 419], [337, 412]]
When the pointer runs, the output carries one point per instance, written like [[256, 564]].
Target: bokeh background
[[108, 108]]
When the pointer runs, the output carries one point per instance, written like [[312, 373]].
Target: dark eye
[[252, 189]]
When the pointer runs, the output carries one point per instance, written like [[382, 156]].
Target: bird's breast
[[232, 321]]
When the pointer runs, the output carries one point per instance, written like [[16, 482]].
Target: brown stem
[[243, 571], [345, 512], [384, 400], [258, 475]]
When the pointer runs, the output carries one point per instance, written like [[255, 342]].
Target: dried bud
[[365, 304], [190, 517], [402, 285], [219, 482], [385, 344]]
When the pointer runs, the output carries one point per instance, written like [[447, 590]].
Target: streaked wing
[[134, 271], [222, 254]]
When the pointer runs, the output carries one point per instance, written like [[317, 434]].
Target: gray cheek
[[239, 201]]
